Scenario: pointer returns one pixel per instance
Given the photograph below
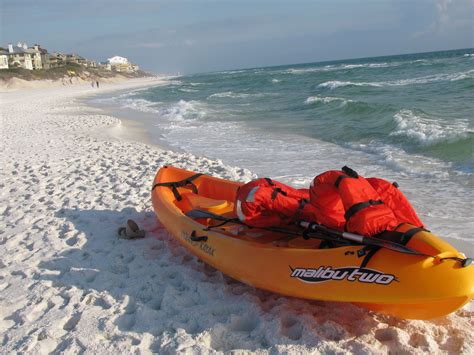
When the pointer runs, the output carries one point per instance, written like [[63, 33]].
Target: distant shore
[[21, 79]]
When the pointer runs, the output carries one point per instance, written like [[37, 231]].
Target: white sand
[[70, 177]]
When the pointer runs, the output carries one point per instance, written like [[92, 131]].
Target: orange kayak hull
[[401, 285]]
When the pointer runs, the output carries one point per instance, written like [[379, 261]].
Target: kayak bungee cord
[[330, 235], [204, 214]]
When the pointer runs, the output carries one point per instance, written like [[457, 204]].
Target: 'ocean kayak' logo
[[327, 273], [201, 245]]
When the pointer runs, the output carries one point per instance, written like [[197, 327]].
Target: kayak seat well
[[207, 204]]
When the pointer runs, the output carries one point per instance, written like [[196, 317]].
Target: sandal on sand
[[131, 231]]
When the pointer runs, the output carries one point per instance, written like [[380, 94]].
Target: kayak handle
[[196, 238]]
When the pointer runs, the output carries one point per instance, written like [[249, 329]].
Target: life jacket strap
[[360, 206], [175, 184], [405, 238], [339, 180], [277, 191], [301, 205], [270, 182], [348, 173]]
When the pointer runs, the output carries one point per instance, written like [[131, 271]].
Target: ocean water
[[408, 118]]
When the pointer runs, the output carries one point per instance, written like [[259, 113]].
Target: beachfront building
[[57, 60], [104, 66], [90, 63], [35, 54], [77, 59], [117, 60], [73, 59], [18, 57], [3, 59], [122, 64], [44, 57], [33, 58], [121, 67]]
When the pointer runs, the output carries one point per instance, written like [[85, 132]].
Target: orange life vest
[[267, 203], [344, 200]]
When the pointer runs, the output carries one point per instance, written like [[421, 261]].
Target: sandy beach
[[71, 176]]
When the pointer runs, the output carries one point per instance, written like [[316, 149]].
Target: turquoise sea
[[408, 118]]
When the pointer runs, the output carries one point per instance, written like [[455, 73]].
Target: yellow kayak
[[402, 285]]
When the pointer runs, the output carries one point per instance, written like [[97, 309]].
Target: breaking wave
[[341, 67], [228, 94], [140, 105], [183, 110], [427, 131], [326, 100], [187, 90], [235, 95], [333, 84]]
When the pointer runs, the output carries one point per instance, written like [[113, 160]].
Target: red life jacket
[[344, 200], [267, 203], [396, 200]]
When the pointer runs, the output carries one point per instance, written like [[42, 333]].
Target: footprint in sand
[[245, 323], [72, 321], [102, 302], [126, 322], [418, 340], [39, 310], [71, 241], [385, 335], [19, 273], [291, 328]]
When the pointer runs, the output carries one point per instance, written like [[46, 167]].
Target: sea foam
[[237, 95], [326, 100], [183, 110], [428, 131], [334, 84], [228, 94], [139, 104]]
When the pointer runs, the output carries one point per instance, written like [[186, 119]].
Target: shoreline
[[126, 129], [130, 121], [70, 178]]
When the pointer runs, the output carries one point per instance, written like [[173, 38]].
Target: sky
[[190, 36]]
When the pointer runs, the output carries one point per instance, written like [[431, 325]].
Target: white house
[[121, 64], [117, 60], [3, 60]]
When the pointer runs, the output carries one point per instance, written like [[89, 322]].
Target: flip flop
[[131, 231]]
